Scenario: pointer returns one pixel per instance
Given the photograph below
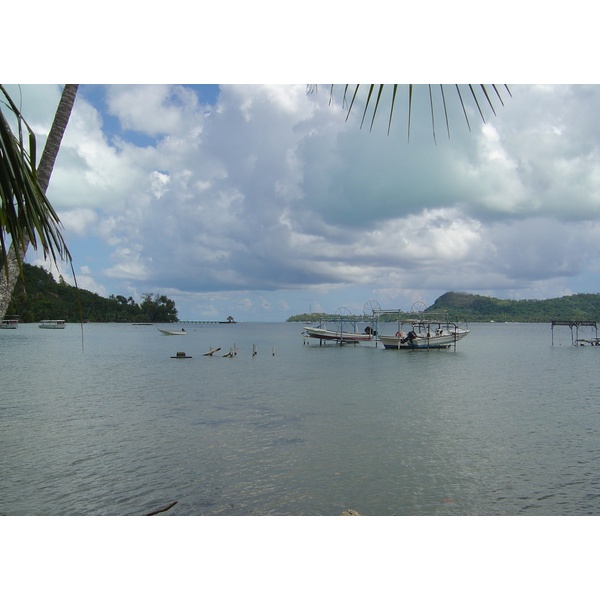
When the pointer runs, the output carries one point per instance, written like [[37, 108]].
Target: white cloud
[[274, 190], [154, 109], [79, 220]]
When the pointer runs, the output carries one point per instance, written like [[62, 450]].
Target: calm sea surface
[[509, 424]]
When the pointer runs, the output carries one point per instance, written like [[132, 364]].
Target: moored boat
[[424, 335], [52, 324], [173, 331], [339, 336], [10, 322]]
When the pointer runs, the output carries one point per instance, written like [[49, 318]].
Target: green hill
[[41, 297], [472, 307]]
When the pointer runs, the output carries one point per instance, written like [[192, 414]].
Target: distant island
[[39, 296], [462, 306]]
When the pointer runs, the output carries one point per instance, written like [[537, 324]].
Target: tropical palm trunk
[[44, 172]]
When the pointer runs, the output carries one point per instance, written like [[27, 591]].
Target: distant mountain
[[472, 307]]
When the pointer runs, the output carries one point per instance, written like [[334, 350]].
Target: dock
[[207, 322], [575, 326]]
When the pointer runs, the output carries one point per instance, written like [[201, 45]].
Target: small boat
[[424, 335], [173, 331], [10, 322], [181, 355], [52, 324], [340, 336]]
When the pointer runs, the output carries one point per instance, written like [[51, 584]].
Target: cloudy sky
[[264, 201]]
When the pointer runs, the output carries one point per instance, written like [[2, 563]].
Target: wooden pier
[[574, 326], [187, 321]]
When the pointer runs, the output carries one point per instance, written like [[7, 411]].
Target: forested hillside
[[43, 298], [472, 307]]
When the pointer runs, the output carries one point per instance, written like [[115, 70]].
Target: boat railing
[[345, 322], [425, 324]]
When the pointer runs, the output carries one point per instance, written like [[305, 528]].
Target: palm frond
[[26, 215], [479, 96]]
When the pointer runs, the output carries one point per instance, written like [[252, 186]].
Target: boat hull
[[441, 341], [172, 332], [52, 324], [342, 337]]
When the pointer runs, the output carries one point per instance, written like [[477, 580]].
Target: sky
[[266, 201]]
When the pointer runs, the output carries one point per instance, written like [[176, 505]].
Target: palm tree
[[26, 215]]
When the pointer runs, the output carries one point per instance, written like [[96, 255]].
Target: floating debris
[[211, 351], [163, 509]]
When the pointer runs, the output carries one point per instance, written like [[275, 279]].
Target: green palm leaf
[[26, 215], [478, 94]]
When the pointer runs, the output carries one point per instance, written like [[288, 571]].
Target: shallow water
[[506, 425]]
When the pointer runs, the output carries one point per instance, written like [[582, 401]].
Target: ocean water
[[509, 424]]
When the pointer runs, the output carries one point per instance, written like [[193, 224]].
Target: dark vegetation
[[472, 307], [41, 297], [461, 306]]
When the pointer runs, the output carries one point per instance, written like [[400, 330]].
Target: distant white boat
[[173, 331], [52, 324], [10, 322], [352, 337]]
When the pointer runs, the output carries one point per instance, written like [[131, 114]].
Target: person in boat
[[409, 338]]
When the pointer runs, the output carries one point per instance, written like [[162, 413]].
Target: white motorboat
[[52, 324], [424, 334], [10, 322], [173, 331], [340, 336]]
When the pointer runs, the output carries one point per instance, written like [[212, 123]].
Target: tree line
[[473, 307], [461, 306], [39, 296]]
